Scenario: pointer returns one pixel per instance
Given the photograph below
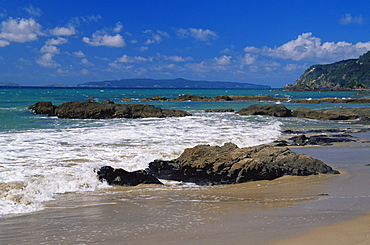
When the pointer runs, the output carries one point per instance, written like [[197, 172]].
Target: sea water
[[41, 156]]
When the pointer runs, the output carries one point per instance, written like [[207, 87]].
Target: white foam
[[45, 162]]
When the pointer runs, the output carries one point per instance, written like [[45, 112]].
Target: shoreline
[[287, 209]]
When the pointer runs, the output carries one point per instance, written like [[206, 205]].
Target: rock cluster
[[106, 109]]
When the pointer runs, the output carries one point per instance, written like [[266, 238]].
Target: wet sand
[[288, 210], [355, 231]]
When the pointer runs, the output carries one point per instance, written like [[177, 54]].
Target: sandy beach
[[321, 209]]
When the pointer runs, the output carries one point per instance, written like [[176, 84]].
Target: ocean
[[42, 157]]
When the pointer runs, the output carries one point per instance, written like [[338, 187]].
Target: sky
[[261, 42]]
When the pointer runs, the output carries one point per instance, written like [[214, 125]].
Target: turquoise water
[[14, 101], [41, 157]]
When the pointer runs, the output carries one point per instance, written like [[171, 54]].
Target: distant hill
[[2, 84], [343, 75], [171, 83]]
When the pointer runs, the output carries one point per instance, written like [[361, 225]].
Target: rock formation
[[106, 109], [229, 164]]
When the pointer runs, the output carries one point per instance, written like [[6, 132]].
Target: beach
[[288, 210], [50, 194]]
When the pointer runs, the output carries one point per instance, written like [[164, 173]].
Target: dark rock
[[276, 110], [229, 164], [122, 177], [190, 97], [303, 140], [43, 107], [220, 110], [280, 143], [248, 98], [107, 109], [347, 113], [300, 140]]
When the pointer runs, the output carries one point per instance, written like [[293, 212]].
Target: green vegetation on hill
[[342, 75]]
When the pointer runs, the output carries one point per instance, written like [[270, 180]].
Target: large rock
[[229, 164], [106, 109], [275, 110], [122, 177]]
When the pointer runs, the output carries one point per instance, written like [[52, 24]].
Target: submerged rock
[[229, 164], [122, 177]]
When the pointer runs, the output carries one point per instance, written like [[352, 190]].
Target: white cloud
[[86, 62], [118, 27], [309, 48], [58, 41], [349, 19], [50, 49], [156, 37], [127, 59], [99, 39], [223, 60], [293, 67], [79, 54], [249, 59], [176, 58], [197, 33], [85, 19], [61, 71], [46, 60], [34, 12], [20, 30], [3, 13], [4, 43], [63, 31]]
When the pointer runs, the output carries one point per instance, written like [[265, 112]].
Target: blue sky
[[261, 42]]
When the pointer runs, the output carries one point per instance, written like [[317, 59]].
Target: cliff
[[349, 74]]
